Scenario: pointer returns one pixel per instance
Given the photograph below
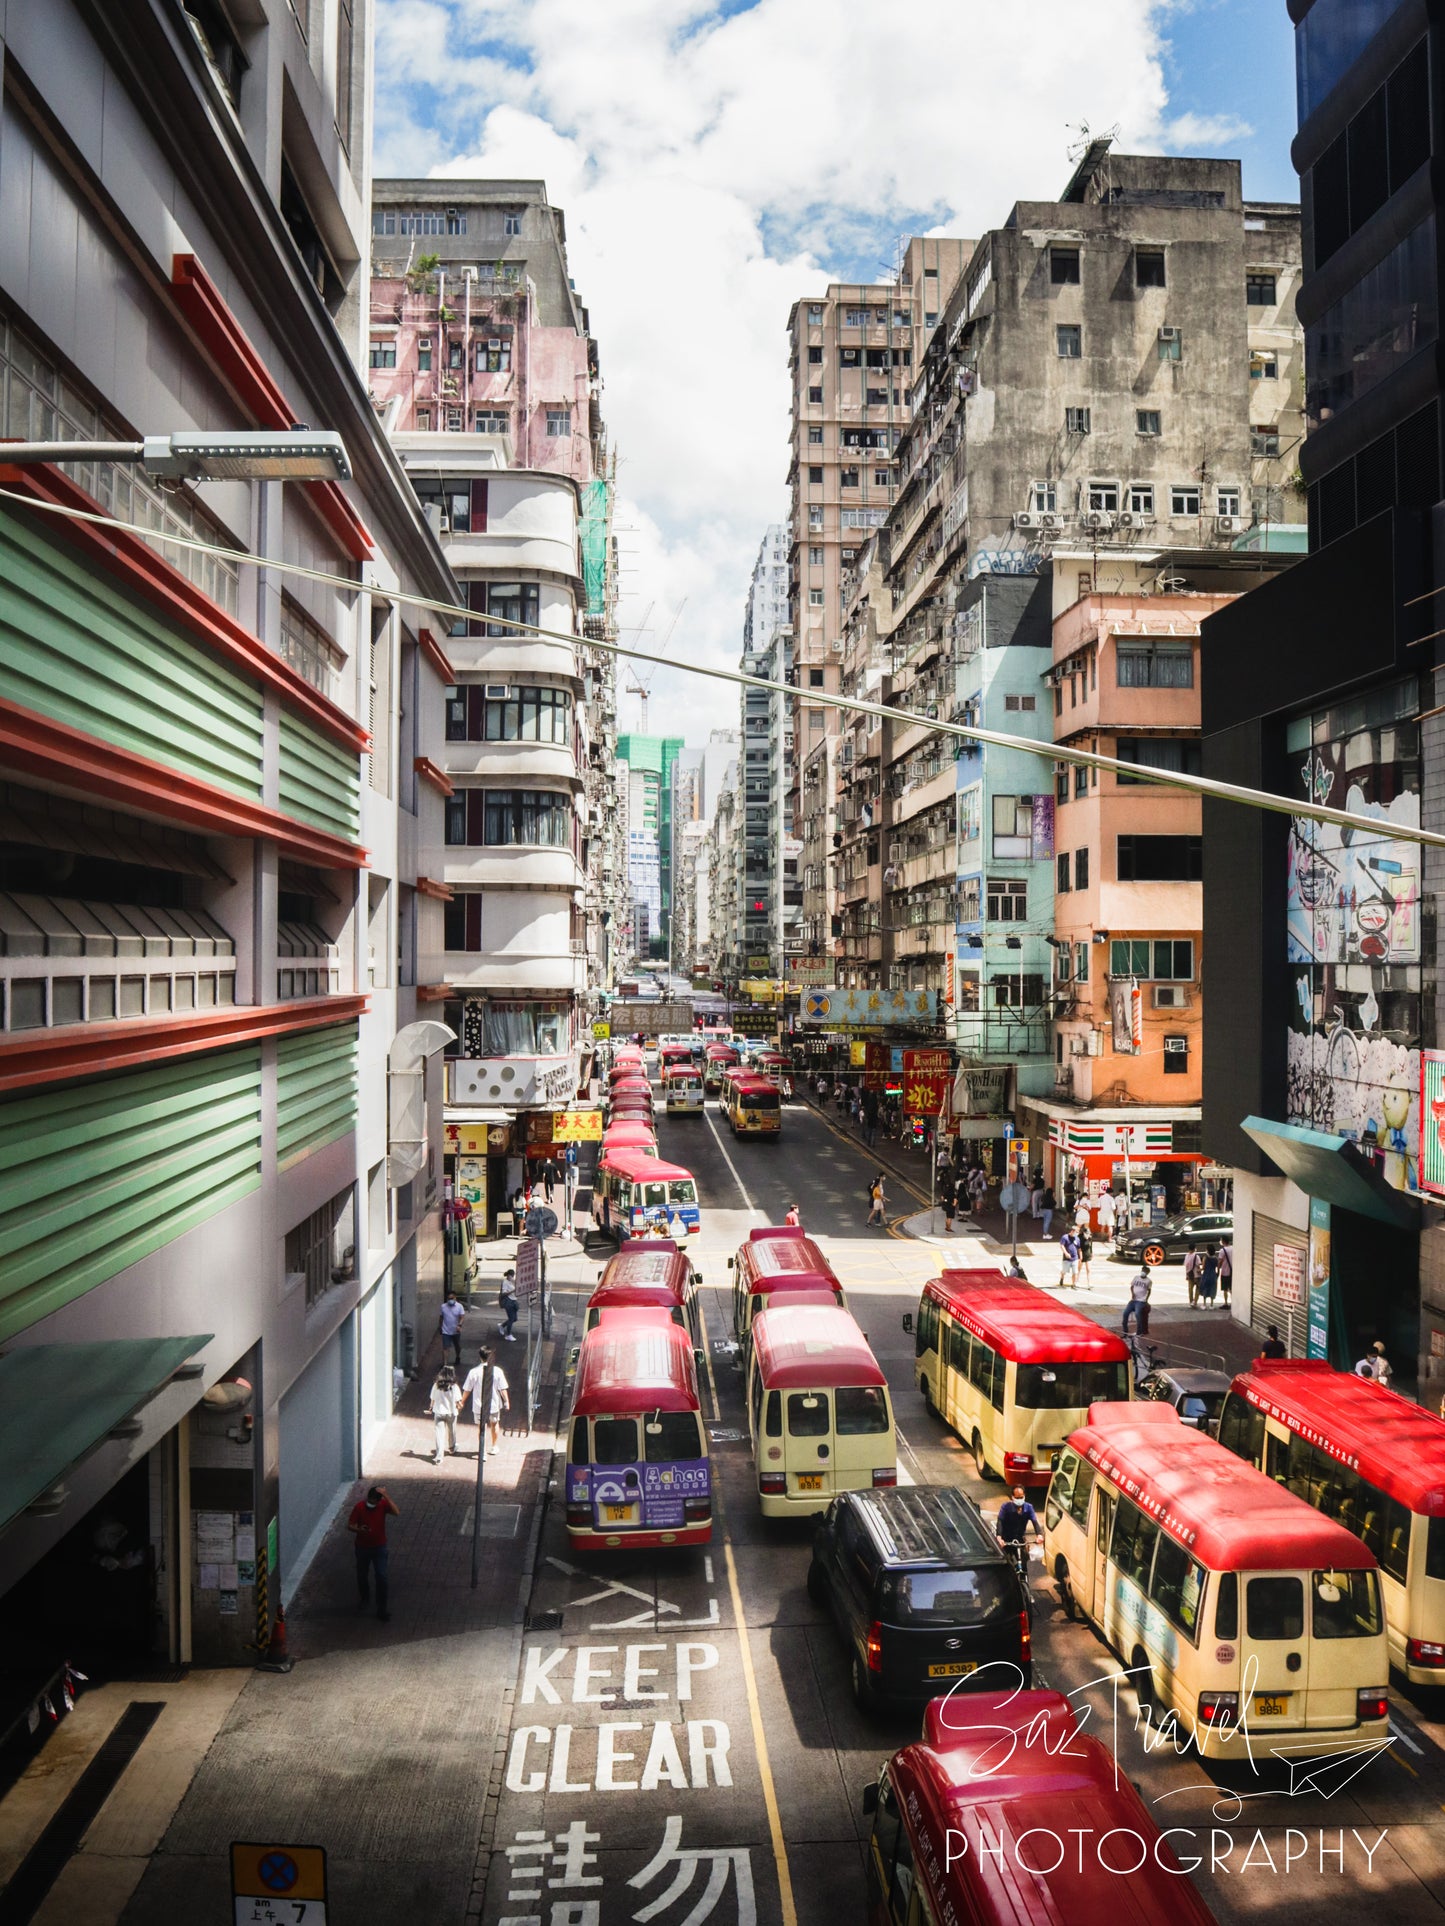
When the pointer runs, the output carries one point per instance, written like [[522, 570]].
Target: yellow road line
[[755, 1710]]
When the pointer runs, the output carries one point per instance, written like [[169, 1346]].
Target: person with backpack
[[1068, 1261], [1086, 1255], [1209, 1277], [876, 1201], [947, 1194], [1226, 1273], [507, 1299], [1048, 1204], [1193, 1269]]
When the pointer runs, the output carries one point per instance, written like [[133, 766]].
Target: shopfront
[[1152, 1161]]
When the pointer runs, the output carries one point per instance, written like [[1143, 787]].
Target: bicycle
[[1147, 1355], [1016, 1550]]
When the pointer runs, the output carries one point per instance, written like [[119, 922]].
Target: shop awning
[[58, 1402], [1332, 1169]]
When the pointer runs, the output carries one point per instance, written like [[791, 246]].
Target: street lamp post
[[288, 454]]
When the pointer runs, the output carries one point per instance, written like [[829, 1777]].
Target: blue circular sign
[[279, 1872]]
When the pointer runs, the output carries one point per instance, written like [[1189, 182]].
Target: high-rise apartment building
[[852, 355], [771, 889], [1322, 1040], [650, 761], [220, 1133]]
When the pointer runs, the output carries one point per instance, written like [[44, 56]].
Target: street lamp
[[291, 454]]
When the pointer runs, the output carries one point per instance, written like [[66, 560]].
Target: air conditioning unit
[[1171, 334], [1128, 519], [837, 647], [1026, 520], [1176, 1046], [436, 520], [1097, 518], [495, 691], [1171, 996], [1051, 520], [1229, 524]]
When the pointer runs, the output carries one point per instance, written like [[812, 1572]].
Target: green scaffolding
[[594, 532]]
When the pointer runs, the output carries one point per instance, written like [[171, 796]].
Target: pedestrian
[[978, 1186], [946, 1196], [549, 1178], [449, 1323], [876, 1201], [1036, 1198], [1015, 1269], [1226, 1273], [443, 1406], [367, 1525], [1374, 1364], [1141, 1288], [1273, 1346], [1193, 1270], [1209, 1277], [1047, 1206], [501, 1400], [942, 1162], [1105, 1208], [507, 1298], [1081, 1214], [1086, 1256], [1068, 1261], [793, 1219]]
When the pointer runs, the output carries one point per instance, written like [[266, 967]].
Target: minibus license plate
[[1271, 1705], [954, 1671], [619, 1514], [810, 1481]]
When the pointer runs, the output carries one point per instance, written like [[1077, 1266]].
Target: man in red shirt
[[368, 1525]]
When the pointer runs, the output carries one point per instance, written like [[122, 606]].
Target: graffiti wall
[[1353, 931]]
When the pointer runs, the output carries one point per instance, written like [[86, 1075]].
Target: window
[[1184, 501], [816, 720], [1264, 444], [1147, 421], [1008, 899], [815, 515], [1132, 1548], [1227, 501], [322, 1247], [614, 1441], [882, 478], [345, 70], [815, 556], [383, 220], [876, 397], [456, 354], [815, 474], [815, 356], [1076, 421], [815, 437], [383, 353], [523, 715], [850, 357], [1043, 497], [815, 394], [512, 221], [807, 1414], [423, 354], [815, 598], [1069, 341], [1081, 781], [1162, 959], [1081, 962], [492, 421], [494, 355], [1176, 1056], [1069, 1387], [1102, 495], [815, 678], [1263, 366], [1141, 499], [423, 421], [855, 317], [456, 221], [861, 1410], [1178, 1586], [1158, 665], [1013, 827], [506, 818], [1171, 344], [1274, 1608], [848, 478], [559, 422], [968, 814], [1020, 702], [1259, 290], [1081, 867], [1064, 266], [462, 922], [1149, 267], [454, 421], [815, 314], [1014, 990], [1160, 859], [1175, 753], [1063, 868]]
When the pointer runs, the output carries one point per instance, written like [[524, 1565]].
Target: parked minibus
[[649, 1272], [751, 1105], [1011, 1369], [682, 1087], [629, 1133], [977, 1824], [1369, 1459], [634, 1189], [637, 1464], [1236, 1606], [777, 1258], [717, 1058], [819, 1414], [671, 1053]]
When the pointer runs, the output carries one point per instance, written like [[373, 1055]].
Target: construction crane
[[639, 681]]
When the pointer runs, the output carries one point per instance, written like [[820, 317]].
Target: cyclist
[[1015, 1515]]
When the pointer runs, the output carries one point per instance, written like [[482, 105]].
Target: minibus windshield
[[948, 1598], [1069, 1387], [862, 1409]]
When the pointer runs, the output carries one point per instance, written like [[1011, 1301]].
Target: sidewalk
[[383, 1743]]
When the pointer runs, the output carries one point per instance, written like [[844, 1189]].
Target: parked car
[[1172, 1241], [1198, 1396], [921, 1592]]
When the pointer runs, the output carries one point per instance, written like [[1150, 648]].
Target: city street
[[684, 1743]]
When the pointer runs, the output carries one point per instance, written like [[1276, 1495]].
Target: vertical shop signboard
[[1317, 1324]]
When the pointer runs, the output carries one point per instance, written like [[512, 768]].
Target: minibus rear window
[[578, 1453], [773, 1422], [1274, 1608], [1226, 1606], [1435, 1549], [862, 1410], [948, 1598], [670, 1436], [614, 1441], [1069, 1387], [807, 1414], [1345, 1605], [682, 1191]]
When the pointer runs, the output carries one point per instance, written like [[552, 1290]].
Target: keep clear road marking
[[755, 1710], [717, 1138]]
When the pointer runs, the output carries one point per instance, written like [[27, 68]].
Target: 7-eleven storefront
[[1152, 1155]]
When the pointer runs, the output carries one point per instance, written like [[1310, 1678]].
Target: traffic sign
[[1008, 1130], [541, 1222], [601, 1031], [278, 1885], [529, 1268]]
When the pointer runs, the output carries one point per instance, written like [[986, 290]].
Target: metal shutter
[[1267, 1309]]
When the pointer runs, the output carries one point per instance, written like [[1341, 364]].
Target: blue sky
[[718, 160]]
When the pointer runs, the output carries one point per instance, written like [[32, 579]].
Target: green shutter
[[76, 648], [320, 781], [315, 1089], [96, 1175]]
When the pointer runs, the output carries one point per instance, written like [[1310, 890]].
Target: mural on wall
[[1353, 933]]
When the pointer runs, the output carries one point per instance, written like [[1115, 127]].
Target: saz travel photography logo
[[1019, 1759]]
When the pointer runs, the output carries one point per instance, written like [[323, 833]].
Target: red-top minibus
[[776, 1258], [648, 1271], [1005, 1813], [717, 1058], [629, 1133], [819, 1414], [752, 1105], [1371, 1460], [1250, 1624], [1011, 1369], [637, 1462], [634, 1189]]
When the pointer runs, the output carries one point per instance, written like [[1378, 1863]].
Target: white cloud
[[714, 168]]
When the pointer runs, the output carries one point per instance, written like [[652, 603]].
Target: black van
[[922, 1594]]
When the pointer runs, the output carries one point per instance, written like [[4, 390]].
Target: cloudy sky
[[716, 162]]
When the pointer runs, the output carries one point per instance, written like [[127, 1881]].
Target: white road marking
[[742, 1187], [1405, 1739], [707, 1568], [614, 1587]]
